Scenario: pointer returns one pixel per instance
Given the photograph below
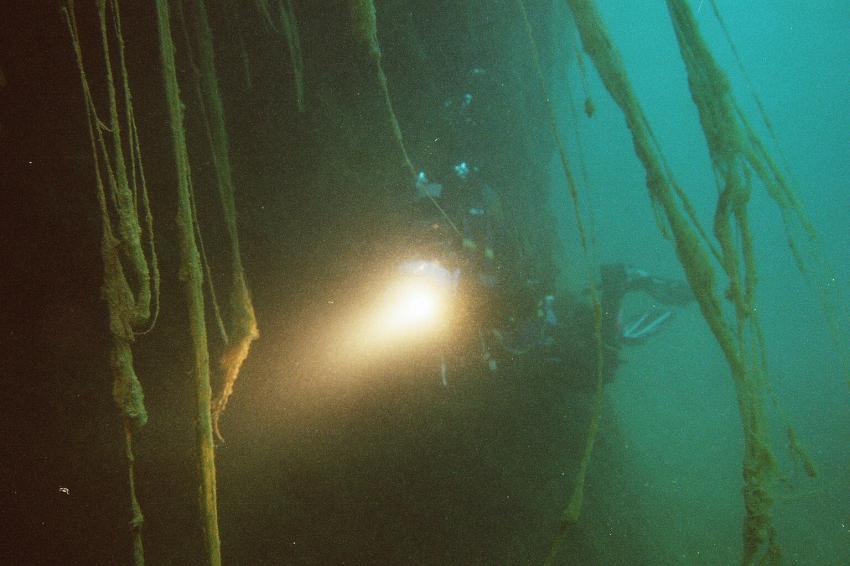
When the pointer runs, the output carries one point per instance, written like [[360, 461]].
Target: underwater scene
[[425, 282]]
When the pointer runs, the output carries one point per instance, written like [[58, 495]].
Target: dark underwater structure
[[231, 176]]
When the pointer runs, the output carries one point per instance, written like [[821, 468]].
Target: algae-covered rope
[[191, 274], [365, 31], [768, 123], [572, 512], [242, 323], [122, 248], [199, 235], [137, 181], [737, 155], [693, 254]]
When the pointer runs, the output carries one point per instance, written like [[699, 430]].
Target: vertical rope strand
[[191, 274], [121, 248], [242, 323], [573, 510]]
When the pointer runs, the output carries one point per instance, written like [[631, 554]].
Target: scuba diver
[[455, 225], [461, 223], [547, 332], [461, 232]]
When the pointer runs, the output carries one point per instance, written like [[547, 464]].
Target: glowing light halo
[[414, 306]]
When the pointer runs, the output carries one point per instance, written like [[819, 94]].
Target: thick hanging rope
[[241, 325], [821, 278], [218, 317], [756, 98], [744, 360], [734, 163], [737, 155], [122, 248], [191, 274]]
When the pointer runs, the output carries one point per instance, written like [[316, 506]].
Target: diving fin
[[646, 324]]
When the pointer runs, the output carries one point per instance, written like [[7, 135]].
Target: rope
[[191, 273], [242, 324], [710, 92], [202, 248], [121, 241], [289, 29], [573, 511], [366, 34]]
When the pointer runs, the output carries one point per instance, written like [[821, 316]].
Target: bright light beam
[[413, 306]]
